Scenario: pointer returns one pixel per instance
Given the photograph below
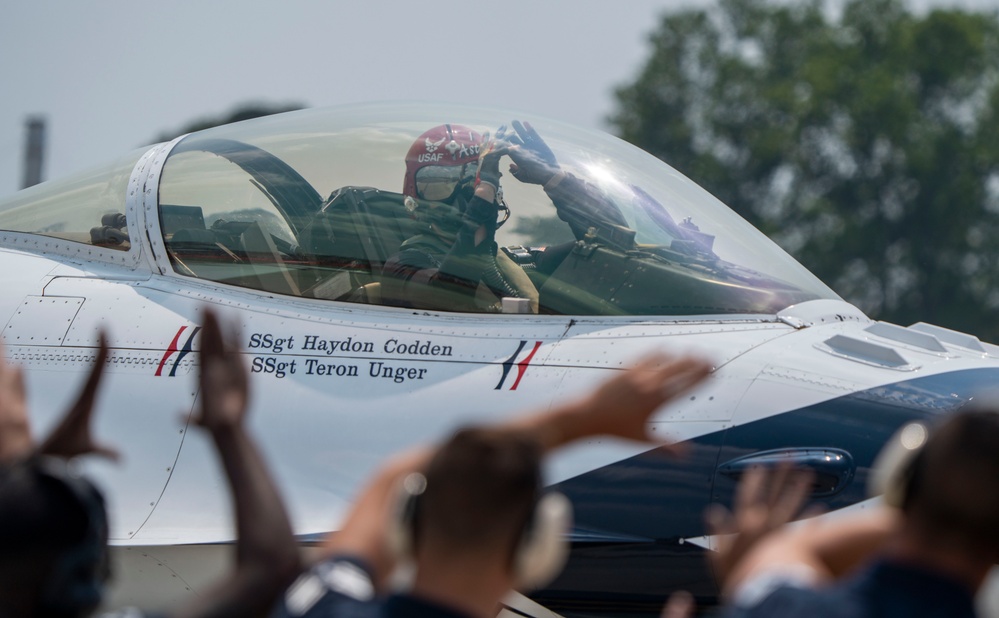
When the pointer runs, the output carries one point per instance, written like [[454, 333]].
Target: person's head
[[481, 488], [482, 502], [951, 486], [53, 530], [441, 164]]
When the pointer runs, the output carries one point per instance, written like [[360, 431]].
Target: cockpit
[[312, 204]]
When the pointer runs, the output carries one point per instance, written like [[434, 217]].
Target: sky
[[110, 76]]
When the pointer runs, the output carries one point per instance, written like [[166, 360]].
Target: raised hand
[[765, 500], [72, 436], [489, 157], [15, 429], [622, 405], [533, 160], [223, 378], [267, 557], [679, 605]]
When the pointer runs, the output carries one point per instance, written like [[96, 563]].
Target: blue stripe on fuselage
[[660, 498]]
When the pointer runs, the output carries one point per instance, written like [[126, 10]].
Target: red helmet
[[439, 160]]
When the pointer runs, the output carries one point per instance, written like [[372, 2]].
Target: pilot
[[452, 178]]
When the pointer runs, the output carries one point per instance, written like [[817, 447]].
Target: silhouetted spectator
[[53, 525], [926, 554], [461, 513]]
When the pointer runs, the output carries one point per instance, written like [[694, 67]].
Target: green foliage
[[865, 144]]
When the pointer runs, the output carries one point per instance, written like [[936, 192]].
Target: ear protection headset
[[541, 552], [76, 581], [895, 469], [899, 468]]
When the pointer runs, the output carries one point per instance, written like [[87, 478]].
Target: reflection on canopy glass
[[451, 209], [87, 208]]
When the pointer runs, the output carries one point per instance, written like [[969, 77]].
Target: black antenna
[[34, 150]]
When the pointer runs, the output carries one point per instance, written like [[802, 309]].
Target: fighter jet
[[381, 305]]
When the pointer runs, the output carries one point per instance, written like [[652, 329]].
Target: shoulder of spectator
[[339, 585], [824, 550], [363, 533], [784, 553]]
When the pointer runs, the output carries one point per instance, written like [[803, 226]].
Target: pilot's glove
[[489, 158], [533, 160], [467, 259], [479, 212]]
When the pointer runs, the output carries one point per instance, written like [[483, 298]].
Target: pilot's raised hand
[[479, 219], [225, 391], [489, 158], [533, 160], [72, 436]]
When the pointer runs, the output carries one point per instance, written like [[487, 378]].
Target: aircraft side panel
[[337, 389], [146, 396], [591, 347], [24, 275], [826, 397], [41, 320], [147, 435], [632, 514], [831, 406]]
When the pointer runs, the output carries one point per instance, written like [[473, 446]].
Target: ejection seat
[[357, 230]]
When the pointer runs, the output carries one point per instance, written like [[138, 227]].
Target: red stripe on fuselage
[[170, 350], [522, 365]]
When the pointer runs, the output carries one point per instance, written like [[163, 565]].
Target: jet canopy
[[326, 204]]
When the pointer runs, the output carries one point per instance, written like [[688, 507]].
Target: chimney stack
[[34, 150]]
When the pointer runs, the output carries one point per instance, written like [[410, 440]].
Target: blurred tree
[[242, 112], [865, 143]]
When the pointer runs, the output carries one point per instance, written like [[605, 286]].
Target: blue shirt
[[343, 587], [884, 588]]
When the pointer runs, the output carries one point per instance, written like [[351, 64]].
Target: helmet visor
[[438, 183]]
